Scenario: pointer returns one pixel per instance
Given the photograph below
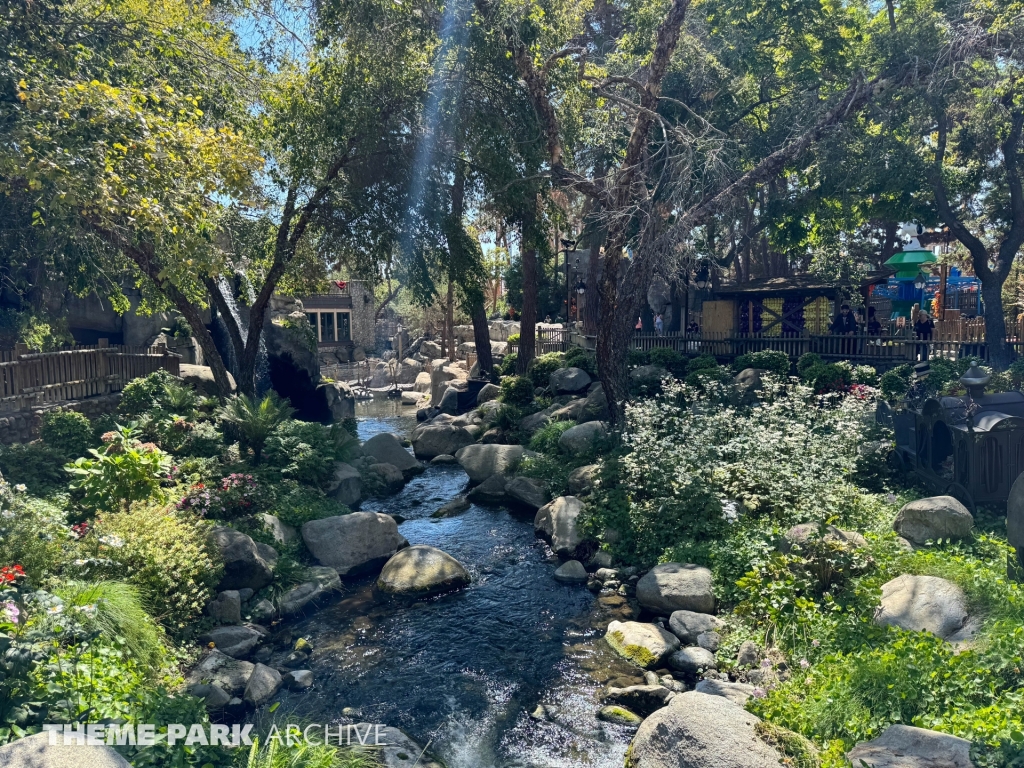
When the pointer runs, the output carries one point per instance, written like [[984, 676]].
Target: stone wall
[[23, 426], [363, 323]]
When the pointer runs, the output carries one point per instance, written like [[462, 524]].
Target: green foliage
[[517, 390], [296, 504], [545, 439], [140, 395], [165, 554], [253, 422], [513, 338], [508, 417], [199, 439], [577, 357], [670, 360], [828, 377], [303, 451], [807, 361], [34, 534], [768, 360], [866, 375], [278, 754], [179, 329], [37, 466], [507, 366], [543, 366], [117, 610], [121, 472], [895, 383], [637, 357], [1016, 371], [701, 363], [68, 432]]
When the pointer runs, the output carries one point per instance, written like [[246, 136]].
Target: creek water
[[464, 671]]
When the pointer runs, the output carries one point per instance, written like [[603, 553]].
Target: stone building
[[343, 319]]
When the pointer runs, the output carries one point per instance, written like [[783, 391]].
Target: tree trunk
[[449, 319], [999, 353], [482, 337], [528, 319]]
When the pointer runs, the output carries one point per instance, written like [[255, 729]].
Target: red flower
[[11, 573]]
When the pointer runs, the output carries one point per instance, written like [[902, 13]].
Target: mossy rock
[[642, 644], [619, 715]]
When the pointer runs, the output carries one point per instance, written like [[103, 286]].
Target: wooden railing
[[548, 340], [37, 378]]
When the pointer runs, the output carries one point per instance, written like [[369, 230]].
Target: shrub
[[33, 533], [517, 390], [828, 377], [121, 472], [545, 439], [895, 383], [200, 439], [513, 338], [542, 367], [303, 451], [577, 357], [806, 362], [69, 432], [670, 360], [701, 363], [163, 552], [1016, 372], [34, 465], [507, 366], [234, 496], [866, 375], [252, 421], [508, 417], [140, 395], [296, 504], [768, 360], [637, 357]]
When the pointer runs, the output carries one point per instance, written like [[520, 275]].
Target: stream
[[464, 671]]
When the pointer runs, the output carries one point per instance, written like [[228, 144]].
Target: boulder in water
[[422, 570], [385, 447], [646, 645], [482, 461], [346, 485], [583, 438], [433, 440], [353, 543]]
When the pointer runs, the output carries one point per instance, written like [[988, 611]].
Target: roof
[[796, 285], [997, 412]]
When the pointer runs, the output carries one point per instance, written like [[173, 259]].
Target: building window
[[327, 326], [344, 326], [311, 316]]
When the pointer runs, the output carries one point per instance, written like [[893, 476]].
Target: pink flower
[[759, 693], [804, 664]]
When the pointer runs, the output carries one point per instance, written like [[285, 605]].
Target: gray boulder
[[430, 349], [226, 608], [528, 492], [262, 685], [453, 507], [924, 604], [568, 381], [395, 749], [645, 700], [298, 680], [902, 746], [697, 730], [595, 407], [937, 517], [1015, 515], [282, 532], [534, 422], [37, 752], [582, 479], [571, 572], [264, 610], [234, 641], [422, 383], [487, 393], [386, 449], [689, 625], [387, 474], [422, 570], [339, 398], [645, 645], [200, 378], [243, 565], [738, 693], [647, 375], [221, 670], [712, 641], [692, 661], [482, 461], [449, 402], [582, 438], [354, 543], [801, 535], [346, 485], [558, 523], [748, 654], [673, 587], [490, 492], [433, 440], [746, 385]]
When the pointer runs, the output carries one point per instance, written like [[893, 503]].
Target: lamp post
[[568, 246]]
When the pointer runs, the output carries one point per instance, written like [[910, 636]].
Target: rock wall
[[363, 322], [23, 426]]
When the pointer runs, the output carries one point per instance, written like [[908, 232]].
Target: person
[[639, 324], [845, 324], [693, 327], [874, 327], [659, 325], [923, 330]]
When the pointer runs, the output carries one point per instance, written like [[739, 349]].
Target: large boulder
[[738, 693], [385, 448], [490, 492], [449, 402], [244, 566], [673, 587], [571, 572], [482, 461], [903, 746], [558, 522], [528, 492], [339, 399], [346, 484], [647, 376], [422, 570], [689, 625], [1015, 515], [422, 383], [800, 536], [697, 730], [568, 381], [645, 645], [236, 642], [386, 475], [582, 479], [534, 422], [200, 378], [487, 393], [231, 675], [262, 685], [595, 407], [923, 604], [937, 517], [583, 438], [430, 349], [322, 581], [354, 543], [434, 440], [746, 385], [281, 532], [692, 661], [645, 700], [37, 752]]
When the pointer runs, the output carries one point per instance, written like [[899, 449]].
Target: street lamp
[[703, 277], [581, 287], [919, 281]]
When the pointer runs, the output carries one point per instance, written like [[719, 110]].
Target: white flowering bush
[[693, 459]]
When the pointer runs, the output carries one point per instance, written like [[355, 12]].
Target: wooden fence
[[37, 378], [549, 340]]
